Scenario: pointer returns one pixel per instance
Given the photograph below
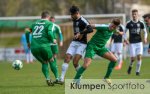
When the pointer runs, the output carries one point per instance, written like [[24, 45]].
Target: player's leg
[[139, 52], [30, 56], [76, 60], [70, 52], [112, 58], [27, 54], [47, 56], [113, 48], [105, 53], [138, 66], [132, 57], [87, 61], [78, 55], [37, 54], [119, 47], [54, 68], [53, 64]]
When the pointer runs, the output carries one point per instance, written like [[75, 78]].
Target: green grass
[[30, 79]]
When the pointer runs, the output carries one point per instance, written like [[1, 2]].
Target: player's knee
[[67, 59], [55, 55], [115, 59], [87, 62], [75, 61], [85, 65], [132, 59], [51, 60], [139, 58], [75, 65]]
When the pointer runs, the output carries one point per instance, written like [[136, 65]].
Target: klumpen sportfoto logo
[[122, 86], [98, 85]]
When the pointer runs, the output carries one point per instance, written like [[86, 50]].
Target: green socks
[[79, 72], [45, 71], [54, 68], [110, 68]]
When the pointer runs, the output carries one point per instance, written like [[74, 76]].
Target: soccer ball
[[17, 64]]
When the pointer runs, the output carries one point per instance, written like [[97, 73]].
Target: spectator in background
[[29, 57]]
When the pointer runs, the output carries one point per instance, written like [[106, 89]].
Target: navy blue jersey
[[135, 29], [78, 26], [117, 37]]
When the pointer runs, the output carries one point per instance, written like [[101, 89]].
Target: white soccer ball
[[17, 64]]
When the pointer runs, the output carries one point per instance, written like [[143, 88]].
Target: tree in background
[[60, 7]]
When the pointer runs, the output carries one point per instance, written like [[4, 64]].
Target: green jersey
[[57, 31], [42, 33], [102, 35]]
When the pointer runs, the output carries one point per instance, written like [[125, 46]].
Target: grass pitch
[[30, 80]]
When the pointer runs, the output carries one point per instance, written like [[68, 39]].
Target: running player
[[42, 35], [77, 47], [97, 46], [135, 26], [117, 46]]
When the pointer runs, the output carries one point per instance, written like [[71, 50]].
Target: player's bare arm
[[145, 35]]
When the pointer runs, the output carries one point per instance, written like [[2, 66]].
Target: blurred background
[[15, 15]]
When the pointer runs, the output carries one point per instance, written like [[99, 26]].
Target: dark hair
[[74, 9], [52, 17], [44, 14], [134, 10], [116, 21], [146, 15]]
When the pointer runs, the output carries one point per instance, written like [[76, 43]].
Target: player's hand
[[80, 36], [55, 41], [126, 42], [145, 41], [148, 50], [77, 35], [117, 32], [61, 44]]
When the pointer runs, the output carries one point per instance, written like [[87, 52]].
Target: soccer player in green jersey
[[57, 31], [42, 36], [54, 47], [97, 46], [147, 21]]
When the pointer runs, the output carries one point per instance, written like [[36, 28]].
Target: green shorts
[[54, 49], [42, 54], [92, 49]]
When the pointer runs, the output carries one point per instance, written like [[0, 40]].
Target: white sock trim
[[77, 68], [138, 66], [64, 69]]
